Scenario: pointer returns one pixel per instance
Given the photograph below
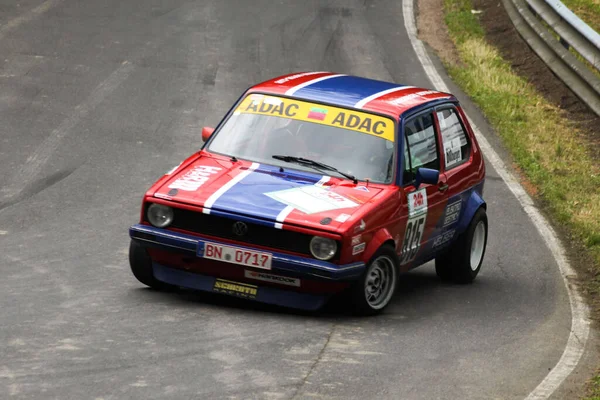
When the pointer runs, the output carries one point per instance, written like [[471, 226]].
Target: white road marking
[[215, 196], [37, 160], [364, 101], [27, 16], [580, 325], [293, 90]]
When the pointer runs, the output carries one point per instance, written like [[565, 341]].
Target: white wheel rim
[[380, 282], [477, 245]]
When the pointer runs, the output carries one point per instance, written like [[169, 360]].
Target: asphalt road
[[100, 98]]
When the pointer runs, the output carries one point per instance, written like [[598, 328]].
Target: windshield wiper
[[314, 164]]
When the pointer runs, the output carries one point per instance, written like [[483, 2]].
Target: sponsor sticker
[[342, 217], [312, 199], [452, 152], [294, 77], [282, 280], [356, 240], [362, 188], [360, 227], [163, 196], [359, 248], [443, 238], [417, 202], [452, 213], [412, 96], [235, 288], [195, 178], [363, 122]]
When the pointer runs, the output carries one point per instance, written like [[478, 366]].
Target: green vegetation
[[594, 389], [574, 52], [587, 10], [545, 146]]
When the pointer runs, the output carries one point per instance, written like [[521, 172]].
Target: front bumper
[[263, 294], [299, 266]]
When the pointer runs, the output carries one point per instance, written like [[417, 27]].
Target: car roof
[[351, 91]]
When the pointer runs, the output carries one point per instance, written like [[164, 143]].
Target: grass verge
[[587, 10], [545, 146], [594, 389]]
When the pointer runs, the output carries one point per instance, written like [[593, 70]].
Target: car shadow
[[414, 293]]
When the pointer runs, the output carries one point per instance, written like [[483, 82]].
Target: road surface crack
[[314, 364]]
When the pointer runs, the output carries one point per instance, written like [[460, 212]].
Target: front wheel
[[141, 267], [462, 261], [374, 290]]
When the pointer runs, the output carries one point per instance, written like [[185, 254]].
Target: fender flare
[[380, 238], [474, 203]]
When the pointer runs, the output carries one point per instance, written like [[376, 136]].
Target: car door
[[424, 205], [457, 166]]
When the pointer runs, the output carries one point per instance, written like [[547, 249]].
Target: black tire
[[454, 264], [141, 266], [382, 267]]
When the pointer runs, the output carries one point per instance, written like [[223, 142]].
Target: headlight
[[160, 216], [323, 248]]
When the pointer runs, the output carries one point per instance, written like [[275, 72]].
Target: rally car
[[314, 184]]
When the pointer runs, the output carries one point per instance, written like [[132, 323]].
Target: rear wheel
[[141, 266], [374, 290], [462, 261]]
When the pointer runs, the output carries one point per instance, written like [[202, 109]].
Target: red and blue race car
[[316, 183]]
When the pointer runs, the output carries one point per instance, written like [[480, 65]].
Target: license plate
[[234, 255]]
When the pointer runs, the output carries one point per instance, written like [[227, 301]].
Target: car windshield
[[354, 142]]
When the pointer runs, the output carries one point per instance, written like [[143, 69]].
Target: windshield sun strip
[[232, 112]]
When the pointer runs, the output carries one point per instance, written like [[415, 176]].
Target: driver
[[285, 138]]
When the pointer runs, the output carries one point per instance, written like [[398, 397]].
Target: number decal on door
[[417, 206], [412, 238]]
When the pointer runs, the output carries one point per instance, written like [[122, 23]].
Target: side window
[[456, 146], [420, 149]]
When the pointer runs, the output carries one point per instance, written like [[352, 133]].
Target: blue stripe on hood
[[248, 196], [343, 90]]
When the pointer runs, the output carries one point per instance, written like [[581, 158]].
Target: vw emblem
[[240, 228]]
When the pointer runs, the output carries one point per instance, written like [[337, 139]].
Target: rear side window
[[420, 150], [455, 143]]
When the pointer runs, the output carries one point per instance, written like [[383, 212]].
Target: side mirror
[[206, 132], [427, 175]]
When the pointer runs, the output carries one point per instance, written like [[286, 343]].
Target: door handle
[[443, 187]]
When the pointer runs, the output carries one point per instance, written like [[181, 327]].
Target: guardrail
[[529, 16]]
